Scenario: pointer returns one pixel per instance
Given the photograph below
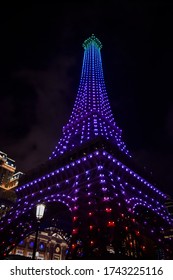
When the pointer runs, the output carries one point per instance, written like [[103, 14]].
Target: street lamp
[[39, 215]]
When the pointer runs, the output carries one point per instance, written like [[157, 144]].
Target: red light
[[108, 210], [91, 227], [90, 213], [74, 219], [111, 224], [75, 230]]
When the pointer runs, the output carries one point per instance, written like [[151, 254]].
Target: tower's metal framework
[[115, 211]]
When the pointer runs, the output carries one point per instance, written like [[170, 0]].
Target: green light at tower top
[[90, 40]]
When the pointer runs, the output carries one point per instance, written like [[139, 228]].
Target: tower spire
[[91, 40], [91, 115]]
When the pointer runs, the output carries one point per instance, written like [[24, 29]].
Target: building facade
[[50, 246], [8, 178], [8, 181]]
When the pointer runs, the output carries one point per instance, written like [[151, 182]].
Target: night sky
[[40, 63]]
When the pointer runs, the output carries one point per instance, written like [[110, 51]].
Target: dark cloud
[[37, 106], [16, 104], [169, 123]]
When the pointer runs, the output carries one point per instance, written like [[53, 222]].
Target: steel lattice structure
[[115, 209]]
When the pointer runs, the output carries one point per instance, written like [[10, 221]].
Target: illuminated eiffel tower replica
[[114, 208]]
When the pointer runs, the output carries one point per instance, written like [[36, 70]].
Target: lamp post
[[39, 215]]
